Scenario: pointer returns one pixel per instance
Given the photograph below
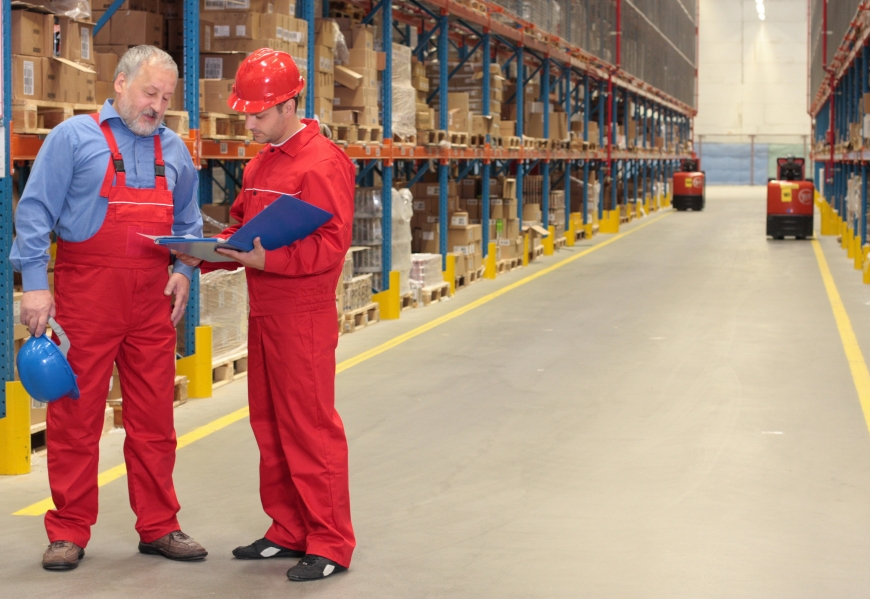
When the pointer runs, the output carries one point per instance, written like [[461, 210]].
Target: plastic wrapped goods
[[223, 305], [426, 270]]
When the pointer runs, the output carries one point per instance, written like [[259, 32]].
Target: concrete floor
[[671, 416]]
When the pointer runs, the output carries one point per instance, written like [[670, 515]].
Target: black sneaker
[[313, 567], [263, 549]]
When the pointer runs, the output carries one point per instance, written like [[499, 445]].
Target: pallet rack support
[[485, 169], [444, 165], [7, 319], [191, 104]]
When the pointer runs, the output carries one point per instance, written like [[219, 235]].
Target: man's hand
[[187, 260], [179, 285], [256, 258], [36, 308]]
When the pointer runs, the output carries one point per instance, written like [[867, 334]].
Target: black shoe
[[313, 567], [263, 549]]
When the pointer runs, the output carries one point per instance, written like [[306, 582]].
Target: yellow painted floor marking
[[860, 374], [40, 507]]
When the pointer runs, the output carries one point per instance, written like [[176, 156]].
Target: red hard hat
[[265, 78]]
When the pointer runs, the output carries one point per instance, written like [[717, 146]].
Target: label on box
[[419, 206], [215, 4], [461, 249], [282, 34], [505, 241], [29, 78], [241, 31], [427, 236], [214, 68], [222, 31], [432, 191], [325, 64], [16, 310], [432, 219], [471, 202], [496, 202], [86, 43], [459, 221], [294, 37]]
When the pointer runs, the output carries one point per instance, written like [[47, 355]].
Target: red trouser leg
[[303, 448], [146, 365], [74, 427]]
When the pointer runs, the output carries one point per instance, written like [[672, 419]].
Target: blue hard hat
[[44, 369]]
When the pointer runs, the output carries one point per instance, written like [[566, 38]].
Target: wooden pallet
[[344, 134], [178, 121], [475, 275], [432, 138], [229, 369], [217, 125], [434, 293], [405, 140], [559, 243], [179, 399], [477, 140], [361, 317], [536, 252], [530, 143], [512, 142], [409, 301], [507, 265], [495, 141], [370, 135], [461, 282], [457, 139], [39, 117], [559, 144]]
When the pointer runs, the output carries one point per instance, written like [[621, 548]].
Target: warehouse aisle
[[669, 416]]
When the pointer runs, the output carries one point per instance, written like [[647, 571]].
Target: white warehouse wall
[[752, 74]]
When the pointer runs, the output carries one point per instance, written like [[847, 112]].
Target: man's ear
[[120, 83]]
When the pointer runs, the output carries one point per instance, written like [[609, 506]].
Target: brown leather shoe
[[176, 545], [62, 555]]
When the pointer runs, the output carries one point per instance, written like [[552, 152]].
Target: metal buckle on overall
[[159, 170], [119, 164]]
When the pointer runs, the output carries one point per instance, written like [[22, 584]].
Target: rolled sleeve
[[40, 207], [185, 196]]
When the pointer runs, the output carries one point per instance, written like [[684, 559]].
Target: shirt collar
[[292, 146], [108, 112]]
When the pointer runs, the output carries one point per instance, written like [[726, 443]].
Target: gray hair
[[136, 56]]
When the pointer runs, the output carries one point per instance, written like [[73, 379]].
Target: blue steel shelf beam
[[545, 169], [443, 51], [113, 8], [484, 184]]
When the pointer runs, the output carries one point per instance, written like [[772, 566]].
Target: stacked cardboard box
[[326, 37], [52, 58], [505, 213], [426, 119], [356, 97]]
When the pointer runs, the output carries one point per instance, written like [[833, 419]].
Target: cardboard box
[[347, 77], [323, 59], [459, 121], [259, 6], [154, 6], [137, 28], [345, 117], [215, 93], [426, 238], [27, 77], [111, 49], [236, 25], [496, 208], [324, 86], [362, 58], [104, 90], [68, 81], [510, 209], [323, 109], [508, 128], [106, 63], [325, 32], [459, 220], [220, 66], [368, 116], [175, 36], [362, 37], [250, 46], [73, 40], [28, 34], [352, 98]]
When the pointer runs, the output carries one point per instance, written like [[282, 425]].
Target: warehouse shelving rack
[[839, 81], [582, 82]]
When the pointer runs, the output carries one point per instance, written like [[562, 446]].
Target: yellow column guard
[[390, 300], [15, 431], [450, 272], [490, 266], [197, 368]]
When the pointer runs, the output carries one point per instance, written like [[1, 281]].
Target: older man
[[100, 183]]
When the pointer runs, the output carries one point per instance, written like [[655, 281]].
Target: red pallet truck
[[790, 201], [689, 185]]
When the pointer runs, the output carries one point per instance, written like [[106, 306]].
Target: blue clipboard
[[283, 222]]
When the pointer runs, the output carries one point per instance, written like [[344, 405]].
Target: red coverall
[[292, 336], [119, 269]]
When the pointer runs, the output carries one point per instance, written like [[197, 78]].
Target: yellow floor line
[[854, 356], [40, 507]]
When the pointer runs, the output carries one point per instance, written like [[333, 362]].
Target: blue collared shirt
[[63, 191]]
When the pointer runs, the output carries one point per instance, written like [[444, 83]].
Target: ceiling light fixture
[[759, 6]]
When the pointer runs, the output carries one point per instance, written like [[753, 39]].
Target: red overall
[[110, 302], [292, 336]]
